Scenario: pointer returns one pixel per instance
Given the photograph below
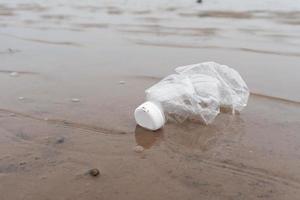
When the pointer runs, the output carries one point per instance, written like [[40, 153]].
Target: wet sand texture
[[72, 73]]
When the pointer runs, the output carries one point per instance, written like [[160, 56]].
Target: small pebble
[[21, 98], [22, 163], [46, 119], [94, 172], [60, 140], [121, 82], [75, 100], [138, 149], [43, 177], [14, 74], [10, 50], [12, 114]]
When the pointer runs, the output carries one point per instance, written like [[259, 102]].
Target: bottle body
[[197, 92]]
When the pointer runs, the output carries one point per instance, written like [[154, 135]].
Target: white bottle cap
[[150, 116]]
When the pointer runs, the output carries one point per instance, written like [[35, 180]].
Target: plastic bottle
[[195, 91]]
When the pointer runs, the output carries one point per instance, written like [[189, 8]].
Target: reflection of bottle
[[144, 138], [150, 116]]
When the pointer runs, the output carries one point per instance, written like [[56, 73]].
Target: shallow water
[[105, 53], [264, 38]]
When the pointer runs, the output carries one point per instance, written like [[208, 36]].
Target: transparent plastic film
[[199, 91]]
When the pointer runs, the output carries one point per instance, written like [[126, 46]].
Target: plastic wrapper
[[199, 91]]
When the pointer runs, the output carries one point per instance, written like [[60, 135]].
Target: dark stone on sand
[[94, 172], [22, 163], [199, 1], [60, 140]]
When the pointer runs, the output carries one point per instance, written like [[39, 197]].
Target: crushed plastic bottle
[[195, 92]]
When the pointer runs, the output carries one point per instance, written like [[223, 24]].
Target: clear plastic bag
[[198, 91]]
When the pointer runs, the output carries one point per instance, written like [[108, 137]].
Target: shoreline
[[103, 130]]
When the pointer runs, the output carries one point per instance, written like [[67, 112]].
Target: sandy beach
[[72, 74]]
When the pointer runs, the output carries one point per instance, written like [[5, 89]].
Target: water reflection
[[146, 138], [227, 129]]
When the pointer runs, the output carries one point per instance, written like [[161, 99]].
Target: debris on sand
[[122, 82], [60, 140], [75, 100], [21, 98], [138, 149], [22, 163], [14, 74], [12, 114], [10, 50], [43, 177], [94, 172]]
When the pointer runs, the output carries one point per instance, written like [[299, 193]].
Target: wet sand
[[254, 155], [105, 56]]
